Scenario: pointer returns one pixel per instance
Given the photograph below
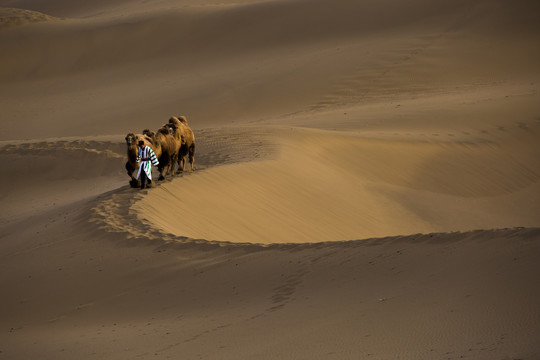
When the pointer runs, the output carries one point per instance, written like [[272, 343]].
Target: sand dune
[[327, 185], [367, 180], [157, 62], [45, 174]]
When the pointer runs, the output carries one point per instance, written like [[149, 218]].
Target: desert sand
[[366, 183]]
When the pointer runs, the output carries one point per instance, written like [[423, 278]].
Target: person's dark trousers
[[144, 178]]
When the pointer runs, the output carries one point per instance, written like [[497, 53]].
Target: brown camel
[[178, 141], [183, 133], [132, 166], [166, 149]]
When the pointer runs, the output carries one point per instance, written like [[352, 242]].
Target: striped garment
[[147, 157]]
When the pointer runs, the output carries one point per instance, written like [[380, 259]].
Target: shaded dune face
[[69, 159], [41, 175], [251, 61], [190, 34]]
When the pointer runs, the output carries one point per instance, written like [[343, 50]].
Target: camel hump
[[149, 137], [164, 130], [147, 132], [180, 119]]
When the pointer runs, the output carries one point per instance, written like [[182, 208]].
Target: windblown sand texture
[[367, 181]]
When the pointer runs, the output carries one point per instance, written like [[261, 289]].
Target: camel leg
[[172, 164], [129, 168], [178, 159], [174, 161], [130, 171], [163, 165], [181, 162], [169, 166], [192, 156], [161, 169]]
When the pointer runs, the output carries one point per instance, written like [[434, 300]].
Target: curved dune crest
[[15, 17], [327, 186]]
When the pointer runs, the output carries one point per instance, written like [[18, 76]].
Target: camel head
[[131, 139]]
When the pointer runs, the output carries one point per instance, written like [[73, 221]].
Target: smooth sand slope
[[329, 185], [367, 180]]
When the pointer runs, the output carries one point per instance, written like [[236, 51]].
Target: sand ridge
[[16, 17], [330, 186]]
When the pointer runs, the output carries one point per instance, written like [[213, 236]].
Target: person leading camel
[[146, 158]]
